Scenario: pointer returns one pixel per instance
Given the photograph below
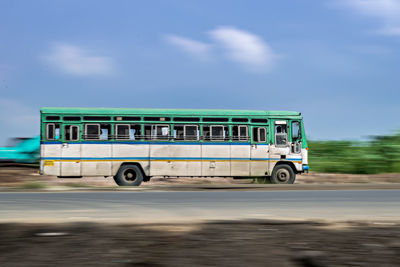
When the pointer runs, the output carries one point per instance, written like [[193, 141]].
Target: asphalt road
[[156, 207]]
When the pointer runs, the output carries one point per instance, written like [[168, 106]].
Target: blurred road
[[148, 207]]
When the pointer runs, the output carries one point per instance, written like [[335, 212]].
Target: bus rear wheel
[[129, 175], [283, 174]]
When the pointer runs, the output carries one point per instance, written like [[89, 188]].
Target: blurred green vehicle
[[22, 150]]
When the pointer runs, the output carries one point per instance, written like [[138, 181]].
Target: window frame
[[285, 133], [298, 139], [70, 134], [211, 135], [239, 136], [259, 135], [255, 138], [116, 131], [197, 132], [54, 131], [154, 127], [99, 131]]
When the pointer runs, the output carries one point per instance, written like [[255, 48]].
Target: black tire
[[129, 175], [283, 174]]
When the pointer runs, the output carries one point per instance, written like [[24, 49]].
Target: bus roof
[[150, 111]]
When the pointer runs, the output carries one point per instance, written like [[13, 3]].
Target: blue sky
[[337, 62]]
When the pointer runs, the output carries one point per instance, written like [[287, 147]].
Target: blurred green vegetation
[[380, 154], [33, 185]]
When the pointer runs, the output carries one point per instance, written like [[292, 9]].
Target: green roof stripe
[[165, 112]]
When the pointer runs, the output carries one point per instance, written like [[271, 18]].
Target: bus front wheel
[[283, 174], [129, 175]]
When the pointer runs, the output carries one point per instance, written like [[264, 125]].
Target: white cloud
[[196, 48], [388, 11], [74, 60], [244, 47]]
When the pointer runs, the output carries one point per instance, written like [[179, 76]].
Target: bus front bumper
[[306, 168]]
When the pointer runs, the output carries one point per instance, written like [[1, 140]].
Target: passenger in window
[[57, 133], [106, 131], [206, 132], [178, 132], [136, 131]]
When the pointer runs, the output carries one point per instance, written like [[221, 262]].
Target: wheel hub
[[130, 175], [283, 175]]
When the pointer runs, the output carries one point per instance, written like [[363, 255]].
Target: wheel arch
[[145, 177], [289, 163]]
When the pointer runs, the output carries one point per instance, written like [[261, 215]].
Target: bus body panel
[[71, 163], [240, 160], [167, 156], [215, 160], [185, 159], [51, 152], [259, 160], [304, 156], [96, 159], [160, 164]]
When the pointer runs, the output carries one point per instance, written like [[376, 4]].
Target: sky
[[336, 61]]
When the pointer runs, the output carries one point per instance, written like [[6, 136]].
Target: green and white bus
[[133, 145]]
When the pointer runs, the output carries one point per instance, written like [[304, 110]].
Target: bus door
[[295, 142], [280, 149], [71, 151], [259, 151]]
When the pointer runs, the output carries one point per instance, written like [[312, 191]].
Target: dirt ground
[[27, 177], [259, 243]]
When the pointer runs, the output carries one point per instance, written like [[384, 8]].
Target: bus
[[21, 151], [133, 145]]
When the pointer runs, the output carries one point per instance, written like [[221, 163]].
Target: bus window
[[147, 132], [191, 132], [71, 132], [50, 129], [135, 132], [53, 131], [281, 134], [71, 118], [262, 134], [52, 118], [178, 132], [206, 132], [160, 132], [240, 120], [296, 131], [105, 131], [259, 134], [259, 120], [243, 133], [122, 131], [217, 132], [92, 131], [239, 133]]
